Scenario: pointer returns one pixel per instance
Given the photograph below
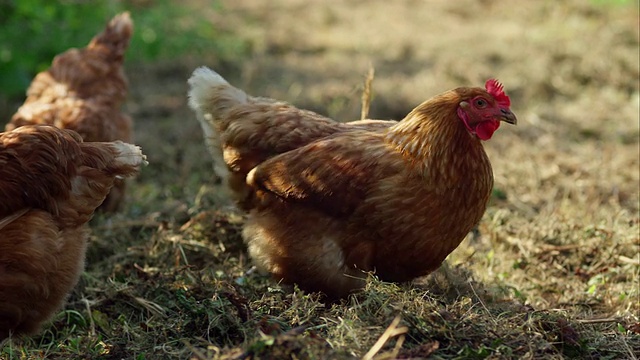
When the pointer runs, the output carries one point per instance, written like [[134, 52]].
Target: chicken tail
[[113, 159], [128, 160], [102, 163], [211, 97], [113, 42]]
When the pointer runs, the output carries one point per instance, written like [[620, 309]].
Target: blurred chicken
[[83, 91], [50, 184], [328, 201]]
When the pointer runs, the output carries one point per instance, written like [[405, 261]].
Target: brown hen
[[83, 90], [330, 201], [50, 184]]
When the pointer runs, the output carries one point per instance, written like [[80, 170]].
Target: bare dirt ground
[[553, 273]]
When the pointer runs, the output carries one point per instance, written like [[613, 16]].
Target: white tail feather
[[130, 154], [210, 97]]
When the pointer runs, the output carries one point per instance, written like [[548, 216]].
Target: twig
[[629, 349], [392, 331], [150, 306], [627, 260], [366, 93], [597, 321], [482, 303], [92, 324], [396, 349]]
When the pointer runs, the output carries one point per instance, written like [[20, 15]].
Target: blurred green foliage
[[34, 31]]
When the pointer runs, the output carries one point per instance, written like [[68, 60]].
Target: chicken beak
[[507, 116]]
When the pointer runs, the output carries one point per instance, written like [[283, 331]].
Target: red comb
[[497, 91]]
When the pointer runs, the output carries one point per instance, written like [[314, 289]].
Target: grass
[[553, 271]]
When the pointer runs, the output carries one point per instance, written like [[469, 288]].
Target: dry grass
[[553, 271]]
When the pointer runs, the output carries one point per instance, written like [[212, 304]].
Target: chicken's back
[[242, 131], [83, 88]]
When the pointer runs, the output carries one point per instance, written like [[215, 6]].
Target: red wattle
[[485, 129]]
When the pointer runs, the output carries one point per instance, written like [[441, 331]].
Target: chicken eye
[[481, 103]]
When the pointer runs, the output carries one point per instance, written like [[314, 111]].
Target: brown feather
[[51, 182]]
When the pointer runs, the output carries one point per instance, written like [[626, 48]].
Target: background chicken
[[330, 200], [83, 91], [50, 184]]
